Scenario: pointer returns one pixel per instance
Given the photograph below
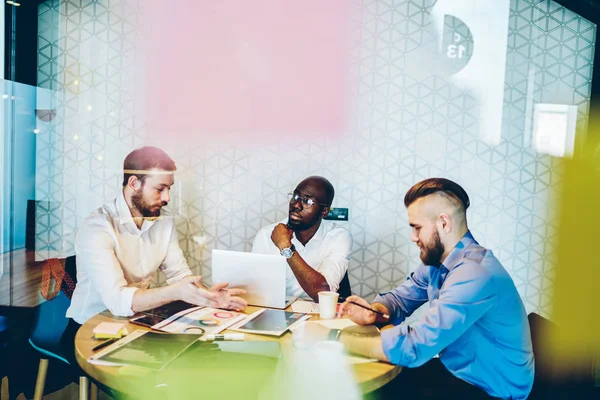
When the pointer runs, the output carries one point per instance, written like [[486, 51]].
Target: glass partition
[[17, 192], [432, 90]]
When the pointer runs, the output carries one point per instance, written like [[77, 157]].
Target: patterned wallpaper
[[408, 123]]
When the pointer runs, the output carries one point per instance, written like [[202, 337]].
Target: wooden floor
[[27, 276], [69, 392]]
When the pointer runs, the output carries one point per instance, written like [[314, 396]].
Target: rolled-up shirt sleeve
[[466, 295], [334, 265], [175, 266], [402, 301], [95, 249]]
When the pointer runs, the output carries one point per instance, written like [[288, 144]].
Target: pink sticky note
[[246, 69]]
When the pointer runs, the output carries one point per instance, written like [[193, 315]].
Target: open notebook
[[181, 317], [158, 351]]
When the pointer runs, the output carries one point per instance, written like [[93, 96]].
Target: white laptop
[[263, 276]]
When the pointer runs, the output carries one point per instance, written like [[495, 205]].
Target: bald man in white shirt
[[317, 250]]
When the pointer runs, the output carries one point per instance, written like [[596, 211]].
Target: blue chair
[[49, 326], [3, 352]]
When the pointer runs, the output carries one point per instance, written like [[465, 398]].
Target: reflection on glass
[[17, 188]]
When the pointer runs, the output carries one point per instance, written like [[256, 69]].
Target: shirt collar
[[458, 252], [123, 210], [320, 233]]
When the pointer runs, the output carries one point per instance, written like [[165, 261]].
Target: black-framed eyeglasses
[[307, 202]]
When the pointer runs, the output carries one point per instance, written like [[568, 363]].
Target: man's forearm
[[146, 299], [366, 346], [311, 281]]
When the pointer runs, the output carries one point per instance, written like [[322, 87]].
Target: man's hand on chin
[[282, 236]]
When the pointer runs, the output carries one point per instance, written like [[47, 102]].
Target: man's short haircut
[[327, 186], [441, 186], [143, 160]]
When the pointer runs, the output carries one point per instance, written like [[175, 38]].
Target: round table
[[369, 376]]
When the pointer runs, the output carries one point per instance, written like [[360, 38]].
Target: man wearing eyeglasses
[[316, 250]]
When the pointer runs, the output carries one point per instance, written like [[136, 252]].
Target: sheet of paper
[[337, 323], [305, 307], [210, 320]]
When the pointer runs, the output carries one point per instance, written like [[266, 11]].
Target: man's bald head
[[324, 184]]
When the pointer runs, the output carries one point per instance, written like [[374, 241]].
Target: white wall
[[409, 121]]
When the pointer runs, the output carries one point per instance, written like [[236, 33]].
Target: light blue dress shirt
[[476, 321]]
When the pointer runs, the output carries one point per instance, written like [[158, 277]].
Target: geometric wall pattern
[[408, 123]]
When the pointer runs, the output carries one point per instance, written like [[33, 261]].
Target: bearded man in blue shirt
[[476, 321]]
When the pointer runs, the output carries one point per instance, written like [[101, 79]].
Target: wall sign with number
[[477, 67], [457, 44]]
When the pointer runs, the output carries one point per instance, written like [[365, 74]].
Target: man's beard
[[137, 200], [302, 225], [432, 253], [297, 225]]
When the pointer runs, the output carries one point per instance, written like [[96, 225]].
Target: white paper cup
[[328, 304]]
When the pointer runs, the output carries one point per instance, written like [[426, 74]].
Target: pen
[[226, 336], [368, 308], [104, 344]]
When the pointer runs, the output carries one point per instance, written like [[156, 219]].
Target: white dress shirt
[[327, 252], [115, 259]]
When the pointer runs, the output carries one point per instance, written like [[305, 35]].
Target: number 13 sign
[[456, 50], [473, 38]]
